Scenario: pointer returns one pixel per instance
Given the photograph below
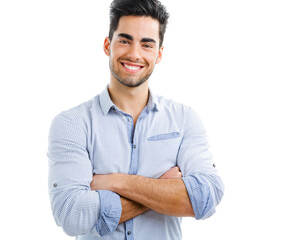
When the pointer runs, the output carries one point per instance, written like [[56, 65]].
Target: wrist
[[118, 181]]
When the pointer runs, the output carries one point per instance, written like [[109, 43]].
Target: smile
[[131, 68]]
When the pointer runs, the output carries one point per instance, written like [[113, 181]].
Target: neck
[[131, 100]]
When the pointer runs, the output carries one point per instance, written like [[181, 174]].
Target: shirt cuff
[[200, 196], [110, 212]]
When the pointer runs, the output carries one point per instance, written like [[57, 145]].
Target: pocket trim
[[164, 136]]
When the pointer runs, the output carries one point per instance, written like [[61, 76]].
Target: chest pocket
[[160, 154], [164, 136]]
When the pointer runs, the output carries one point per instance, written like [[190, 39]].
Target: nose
[[134, 52]]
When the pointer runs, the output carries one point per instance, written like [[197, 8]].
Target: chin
[[131, 84]]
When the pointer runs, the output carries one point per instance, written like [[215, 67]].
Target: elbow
[[77, 214], [70, 232], [214, 194], [69, 223], [72, 227], [205, 193]]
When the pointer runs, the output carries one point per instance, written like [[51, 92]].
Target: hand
[[103, 181], [174, 172]]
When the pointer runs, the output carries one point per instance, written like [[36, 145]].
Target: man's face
[[134, 50]]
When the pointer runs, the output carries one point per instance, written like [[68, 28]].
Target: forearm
[[165, 196], [130, 209]]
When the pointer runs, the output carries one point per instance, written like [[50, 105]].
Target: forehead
[[139, 27]]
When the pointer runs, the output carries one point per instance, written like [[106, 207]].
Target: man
[[129, 164]]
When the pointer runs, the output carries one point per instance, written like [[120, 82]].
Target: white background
[[223, 58]]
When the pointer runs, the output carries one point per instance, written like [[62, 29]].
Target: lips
[[131, 67]]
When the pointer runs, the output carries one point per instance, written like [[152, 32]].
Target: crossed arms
[[78, 209], [166, 195]]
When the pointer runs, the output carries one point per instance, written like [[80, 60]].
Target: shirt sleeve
[[76, 208], [204, 186]]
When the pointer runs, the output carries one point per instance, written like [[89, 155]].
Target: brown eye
[[123, 42], [147, 46]]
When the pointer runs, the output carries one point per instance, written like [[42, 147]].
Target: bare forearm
[[130, 209], [166, 196]]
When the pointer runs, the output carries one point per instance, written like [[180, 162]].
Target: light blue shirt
[[98, 138]]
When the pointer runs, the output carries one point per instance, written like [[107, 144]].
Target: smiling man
[[134, 50], [129, 164]]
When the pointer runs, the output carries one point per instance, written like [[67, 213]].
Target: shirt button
[[135, 146], [129, 232], [214, 165], [55, 185], [129, 119]]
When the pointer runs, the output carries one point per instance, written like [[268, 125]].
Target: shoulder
[[184, 115], [79, 116], [170, 106]]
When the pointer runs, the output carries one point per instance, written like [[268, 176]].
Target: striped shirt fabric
[[98, 138]]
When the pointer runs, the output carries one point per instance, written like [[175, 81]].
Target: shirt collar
[[105, 101], [107, 104], [153, 102]]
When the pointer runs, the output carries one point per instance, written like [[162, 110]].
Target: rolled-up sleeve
[[76, 208], [205, 188], [110, 212]]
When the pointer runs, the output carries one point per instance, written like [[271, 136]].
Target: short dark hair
[[150, 8]]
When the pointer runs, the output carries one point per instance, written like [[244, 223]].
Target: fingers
[[92, 183], [178, 173], [173, 172]]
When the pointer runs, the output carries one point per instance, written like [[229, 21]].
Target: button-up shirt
[[98, 138]]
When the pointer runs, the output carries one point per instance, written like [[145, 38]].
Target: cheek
[[153, 58], [153, 61], [114, 53], [150, 58]]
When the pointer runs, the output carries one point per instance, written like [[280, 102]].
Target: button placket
[[133, 165], [130, 127]]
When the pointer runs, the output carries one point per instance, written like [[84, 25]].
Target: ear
[[160, 54], [106, 46]]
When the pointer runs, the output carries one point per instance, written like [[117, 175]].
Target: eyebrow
[[148, 40], [129, 37], [124, 35]]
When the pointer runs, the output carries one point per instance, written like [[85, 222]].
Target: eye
[[123, 42], [147, 46]]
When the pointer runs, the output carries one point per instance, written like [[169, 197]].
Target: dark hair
[[151, 8]]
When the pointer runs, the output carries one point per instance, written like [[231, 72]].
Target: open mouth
[[132, 68]]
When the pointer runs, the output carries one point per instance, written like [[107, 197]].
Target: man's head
[[149, 8], [134, 44]]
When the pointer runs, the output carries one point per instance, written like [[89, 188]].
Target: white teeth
[[131, 67]]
